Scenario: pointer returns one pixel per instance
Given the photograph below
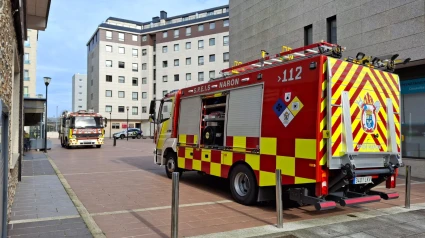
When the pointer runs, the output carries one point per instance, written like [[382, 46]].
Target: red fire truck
[[331, 125]]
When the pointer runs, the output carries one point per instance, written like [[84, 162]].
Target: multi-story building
[[79, 92], [130, 63], [30, 63], [376, 28]]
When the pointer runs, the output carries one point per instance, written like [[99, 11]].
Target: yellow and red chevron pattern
[[298, 169], [368, 90]]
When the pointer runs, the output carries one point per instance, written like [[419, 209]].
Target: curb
[[90, 223]]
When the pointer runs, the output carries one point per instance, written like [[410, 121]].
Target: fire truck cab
[[82, 128], [332, 127]]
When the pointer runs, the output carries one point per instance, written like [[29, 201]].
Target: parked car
[[132, 132]]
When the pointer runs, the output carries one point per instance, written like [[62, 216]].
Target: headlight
[[74, 137]]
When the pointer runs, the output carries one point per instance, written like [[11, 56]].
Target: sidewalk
[[42, 208]]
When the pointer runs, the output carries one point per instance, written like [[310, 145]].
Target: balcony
[[27, 44], [26, 95], [27, 62], [26, 78]]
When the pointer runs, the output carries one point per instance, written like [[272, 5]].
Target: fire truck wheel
[[243, 185], [62, 144], [171, 165]]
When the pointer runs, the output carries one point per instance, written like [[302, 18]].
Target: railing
[[26, 61], [26, 78]]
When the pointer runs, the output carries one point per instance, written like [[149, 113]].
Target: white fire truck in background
[[82, 128]]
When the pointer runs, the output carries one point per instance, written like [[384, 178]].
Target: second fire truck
[[332, 126]]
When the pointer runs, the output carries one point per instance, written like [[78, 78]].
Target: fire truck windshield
[[87, 122]]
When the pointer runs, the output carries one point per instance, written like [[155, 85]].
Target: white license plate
[[362, 180]]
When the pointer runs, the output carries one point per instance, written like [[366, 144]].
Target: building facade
[[79, 92], [377, 28], [30, 63], [130, 63]]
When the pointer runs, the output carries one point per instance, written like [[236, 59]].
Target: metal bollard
[[115, 141], [279, 205], [175, 206], [408, 180]]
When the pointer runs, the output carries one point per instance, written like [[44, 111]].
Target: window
[[109, 63], [144, 52], [176, 47], [108, 78], [188, 31], [80, 106], [26, 75], [200, 76], [308, 35], [164, 49], [144, 109], [27, 42], [201, 27], [80, 92], [164, 64], [188, 45], [176, 33], [164, 93], [225, 40], [108, 35], [120, 108], [144, 95], [108, 93], [121, 50], [188, 76], [135, 96], [144, 81], [200, 44], [81, 80], [121, 94], [212, 58], [121, 79], [135, 53], [116, 125], [134, 37], [80, 100], [108, 108], [121, 65], [109, 48], [212, 25], [121, 36], [144, 38], [144, 66], [188, 61], [226, 23], [212, 41], [212, 74], [226, 57], [165, 78], [91, 82], [135, 67], [331, 29], [91, 96], [135, 111], [134, 81], [176, 62], [176, 77], [26, 58], [200, 60], [26, 94], [164, 34]]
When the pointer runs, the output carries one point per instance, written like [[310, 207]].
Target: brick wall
[[8, 44]]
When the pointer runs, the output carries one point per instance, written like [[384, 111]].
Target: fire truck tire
[[62, 144], [243, 185], [122, 137], [171, 165]]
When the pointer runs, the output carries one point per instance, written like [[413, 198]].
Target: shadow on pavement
[[149, 225]]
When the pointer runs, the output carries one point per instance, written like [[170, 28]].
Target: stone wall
[[8, 48]]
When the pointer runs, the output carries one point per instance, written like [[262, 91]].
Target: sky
[[62, 48]]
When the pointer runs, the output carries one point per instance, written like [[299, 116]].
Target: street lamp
[[127, 121], [46, 82], [110, 124]]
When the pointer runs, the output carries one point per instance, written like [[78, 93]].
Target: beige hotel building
[[130, 63]]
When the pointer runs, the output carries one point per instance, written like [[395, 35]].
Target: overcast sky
[[62, 47]]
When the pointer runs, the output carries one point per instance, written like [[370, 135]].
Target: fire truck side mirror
[[152, 118], [152, 108]]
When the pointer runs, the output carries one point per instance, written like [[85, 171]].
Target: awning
[[33, 110], [37, 14]]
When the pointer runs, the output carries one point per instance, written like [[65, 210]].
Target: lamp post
[[46, 82], [110, 125], [127, 121]]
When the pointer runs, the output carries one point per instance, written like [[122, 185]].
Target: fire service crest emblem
[[369, 110]]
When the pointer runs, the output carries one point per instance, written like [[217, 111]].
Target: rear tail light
[[322, 187], [391, 181]]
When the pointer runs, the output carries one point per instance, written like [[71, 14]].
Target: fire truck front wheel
[[243, 185], [171, 165]]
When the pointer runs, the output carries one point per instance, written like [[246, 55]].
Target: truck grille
[[80, 136]]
